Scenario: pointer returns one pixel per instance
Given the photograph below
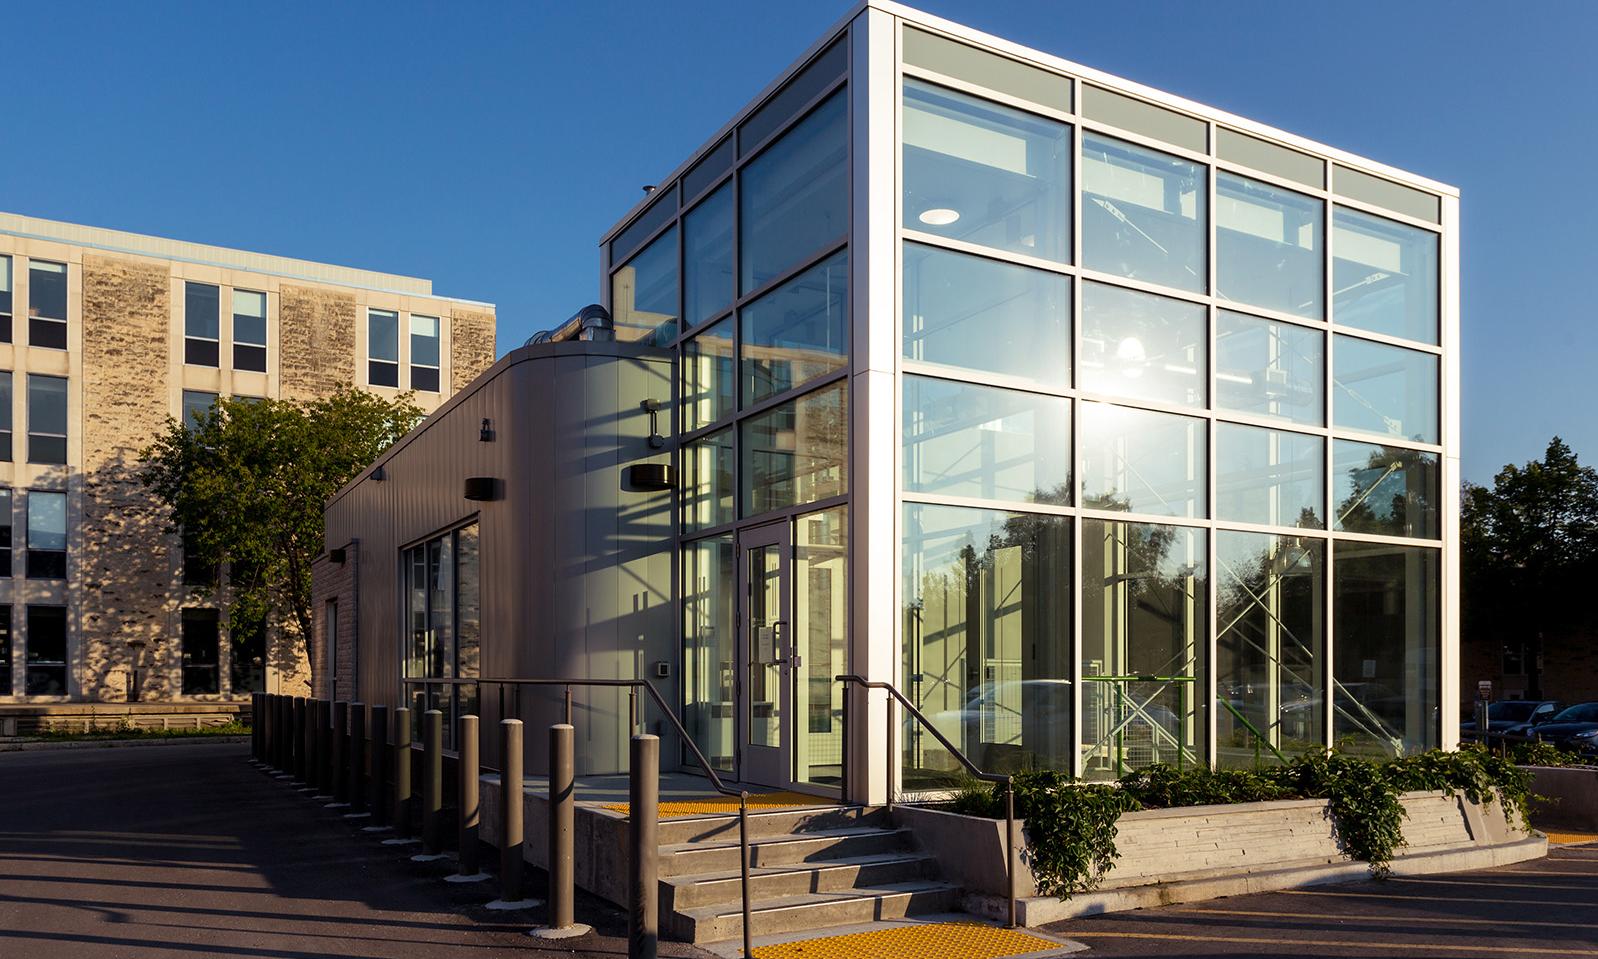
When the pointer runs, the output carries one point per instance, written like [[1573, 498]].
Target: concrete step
[[774, 823], [779, 882], [818, 910], [721, 855]]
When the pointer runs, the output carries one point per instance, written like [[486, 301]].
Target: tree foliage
[[246, 484]]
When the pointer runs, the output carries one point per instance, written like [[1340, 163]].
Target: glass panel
[[441, 606], [1143, 462], [1268, 247], [806, 85], [707, 258], [795, 196], [1384, 389], [709, 586], [47, 651], [416, 610], [987, 640], [643, 293], [424, 379], [797, 332], [468, 603], [1143, 346], [662, 210], [1385, 489], [1144, 628], [424, 340], [382, 335], [47, 404], [961, 439], [716, 162], [1270, 648], [196, 406], [5, 307], [249, 317], [379, 373], [986, 69], [796, 452], [765, 620], [980, 314], [1384, 276], [1269, 476], [201, 309], [1385, 603], [200, 659], [821, 624], [47, 291], [5, 651], [1266, 368], [707, 377], [1143, 214], [47, 520], [707, 481], [984, 173]]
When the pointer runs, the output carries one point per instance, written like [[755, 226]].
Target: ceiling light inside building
[[939, 216]]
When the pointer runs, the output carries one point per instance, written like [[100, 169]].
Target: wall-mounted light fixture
[[485, 433], [482, 488], [337, 556], [648, 477], [379, 474], [652, 407]]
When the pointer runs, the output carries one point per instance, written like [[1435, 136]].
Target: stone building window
[[201, 324], [382, 348], [424, 353], [196, 404], [200, 660], [47, 419], [47, 304], [5, 651], [47, 651], [5, 539], [5, 415], [47, 535], [5, 303], [249, 330], [248, 669]]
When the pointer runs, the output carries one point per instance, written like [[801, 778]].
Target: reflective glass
[[1270, 648], [196, 406], [707, 481], [1384, 276], [46, 651], [1378, 388], [1143, 346], [249, 317], [986, 174], [961, 439], [796, 452], [710, 584], [707, 377], [1143, 214], [424, 340], [201, 306], [6, 419], [821, 630], [1385, 489], [382, 335], [987, 640], [47, 291], [1271, 477], [1386, 648], [1266, 368], [794, 197], [1145, 619], [47, 520], [1268, 247], [47, 404], [797, 332], [1143, 462], [468, 602], [5, 284], [975, 313], [643, 293], [707, 257]]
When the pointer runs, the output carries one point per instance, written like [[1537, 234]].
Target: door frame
[[761, 764]]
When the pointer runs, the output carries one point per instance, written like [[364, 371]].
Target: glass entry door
[[767, 654]]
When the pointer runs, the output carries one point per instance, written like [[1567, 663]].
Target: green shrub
[[1162, 786]]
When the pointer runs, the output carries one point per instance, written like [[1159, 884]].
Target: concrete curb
[[45, 744]]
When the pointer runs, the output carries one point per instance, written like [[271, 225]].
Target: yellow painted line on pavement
[[1487, 881], [1388, 895], [1295, 945], [1563, 838], [932, 940], [1268, 914], [721, 805]]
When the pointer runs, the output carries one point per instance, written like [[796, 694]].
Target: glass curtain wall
[[1170, 492], [443, 617]]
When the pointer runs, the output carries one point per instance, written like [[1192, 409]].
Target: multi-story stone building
[[103, 336]]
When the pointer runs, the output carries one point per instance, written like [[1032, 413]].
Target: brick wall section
[[1569, 666], [316, 341], [123, 576], [332, 581], [471, 345]]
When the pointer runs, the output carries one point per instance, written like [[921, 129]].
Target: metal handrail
[[633, 686], [971, 767]]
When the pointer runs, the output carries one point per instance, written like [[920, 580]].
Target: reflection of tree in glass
[[1391, 493]]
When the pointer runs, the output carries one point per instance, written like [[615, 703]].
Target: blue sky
[[488, 146]]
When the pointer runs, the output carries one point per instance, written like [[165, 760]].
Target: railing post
[[847, 751], [511, 810], [568, 719], [643, 860], [380, 762], [357, 725], [1009, 846], [743, 871], [299, 739], [888, 769], [562, 825], [432, 782], [402, 772], [471, 810], [335, 768]]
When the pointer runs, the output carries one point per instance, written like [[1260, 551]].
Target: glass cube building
[[1109, 428]]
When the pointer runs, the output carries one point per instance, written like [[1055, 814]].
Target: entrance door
[[768, 654]]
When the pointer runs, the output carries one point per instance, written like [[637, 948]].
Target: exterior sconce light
[[379, 475], [337, 556], [648, 477], [482, 488], [652, 407], [485, 433]]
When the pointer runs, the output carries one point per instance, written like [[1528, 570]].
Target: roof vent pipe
[[592, 322]]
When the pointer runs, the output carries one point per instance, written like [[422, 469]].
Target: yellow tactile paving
[[720, 805], [932, 940], [1561, 838]]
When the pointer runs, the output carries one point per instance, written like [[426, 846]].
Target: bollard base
[[561, 932], [430, 857], [401, 842], [337, 805], [511, 905], [474, 877], [377, 829], [357, 815]]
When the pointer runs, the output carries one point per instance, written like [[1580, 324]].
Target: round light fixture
[[939, 216], [1130, 353]]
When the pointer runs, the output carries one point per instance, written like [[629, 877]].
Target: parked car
[[1562, 729], [1505, 715]]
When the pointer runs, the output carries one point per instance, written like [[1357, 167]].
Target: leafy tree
[[247, 481]]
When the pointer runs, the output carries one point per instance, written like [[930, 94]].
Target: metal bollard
[[255, 726], [377, 800], [285, 733], [562, 810], [643, 850], [313, 742], [357, 758], [277, 732], [511, 810], [268, 720], [335, 769], [402, 772], [299, 739], [432, 782], [468, 772], [324, 744]]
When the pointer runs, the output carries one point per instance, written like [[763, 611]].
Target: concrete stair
[[810, 869]]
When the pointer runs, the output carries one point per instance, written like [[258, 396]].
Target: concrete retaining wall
[[1572, 795]]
